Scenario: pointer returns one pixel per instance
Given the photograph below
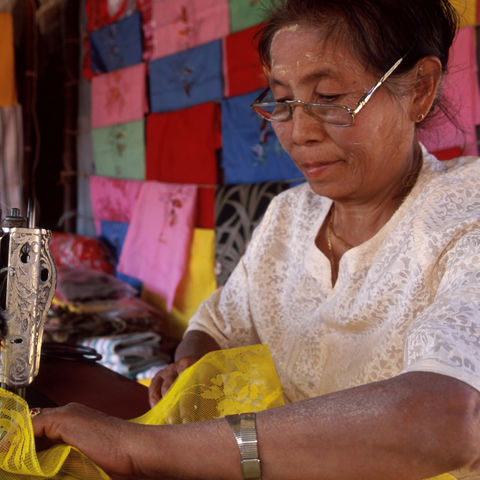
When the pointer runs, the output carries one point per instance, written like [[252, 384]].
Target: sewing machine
[[27, 287]]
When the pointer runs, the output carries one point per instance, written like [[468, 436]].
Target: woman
[[362, 282]]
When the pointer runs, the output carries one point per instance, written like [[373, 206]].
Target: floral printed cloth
[[182, 25], [157, 244], [113, 198], [251, 151], [118, 45], [187, 78], [119, 96], [119, 150], [72, 250]]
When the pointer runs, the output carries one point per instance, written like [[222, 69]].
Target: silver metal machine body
[[27, 287]]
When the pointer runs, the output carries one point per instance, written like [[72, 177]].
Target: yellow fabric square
[[8, 90], [197, 284], [467, 9]]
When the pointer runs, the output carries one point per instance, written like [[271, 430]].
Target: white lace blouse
[[407, 299]]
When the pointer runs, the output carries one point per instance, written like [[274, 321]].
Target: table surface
[[61, 381]]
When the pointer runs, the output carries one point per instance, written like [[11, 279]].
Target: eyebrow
[[315, 76]]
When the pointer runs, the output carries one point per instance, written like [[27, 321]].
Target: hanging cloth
[[113, 234], [158, 239], [187, 78], [182, 146], [251, 151], [197, 284], [119, 96], [180, 26], [242, 69], [11, 157], [460, 87], [238, 210], [246, 13], [119, 150], [113, 199], [467, 10], [118, 45], [8, 89]]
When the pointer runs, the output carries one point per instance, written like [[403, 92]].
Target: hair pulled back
[[379, 31]]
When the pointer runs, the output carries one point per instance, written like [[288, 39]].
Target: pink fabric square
[[119, 96], [182, 25], [460, 86], [113, 199], [158, 240]]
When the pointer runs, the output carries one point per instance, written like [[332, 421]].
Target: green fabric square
[[246, 13], [119, 150]]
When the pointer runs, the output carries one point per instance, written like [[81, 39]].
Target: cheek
[[282, 131]]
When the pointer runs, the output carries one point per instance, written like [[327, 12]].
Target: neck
[[355, 222]]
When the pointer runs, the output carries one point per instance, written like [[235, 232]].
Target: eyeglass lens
[[279, 112]]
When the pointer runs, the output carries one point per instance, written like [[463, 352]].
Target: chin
[[333, 191]]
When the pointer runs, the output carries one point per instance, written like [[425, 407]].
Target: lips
[[316, 169]]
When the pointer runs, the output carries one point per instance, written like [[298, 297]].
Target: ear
[[427, 74]]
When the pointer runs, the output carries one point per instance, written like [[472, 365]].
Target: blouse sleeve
[[445, 338]]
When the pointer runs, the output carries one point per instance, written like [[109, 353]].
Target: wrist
[[245, 432]]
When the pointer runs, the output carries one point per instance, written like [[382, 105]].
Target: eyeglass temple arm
[[367, 96]]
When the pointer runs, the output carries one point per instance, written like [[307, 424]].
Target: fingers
[[164, 379], [160, 384], [104, 439], [46, 422]]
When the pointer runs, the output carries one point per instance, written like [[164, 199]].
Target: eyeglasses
[[337, 115]]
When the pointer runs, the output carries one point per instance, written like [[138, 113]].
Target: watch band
[[245, 432]]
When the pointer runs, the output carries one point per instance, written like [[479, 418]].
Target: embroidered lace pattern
[[405, 300]]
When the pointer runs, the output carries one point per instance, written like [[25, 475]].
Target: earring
[[420, 117]]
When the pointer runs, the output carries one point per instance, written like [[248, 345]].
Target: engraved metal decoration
[[27, 287]]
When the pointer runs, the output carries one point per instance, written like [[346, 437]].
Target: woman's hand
[[195, 345], [164, 379], [102, 438]]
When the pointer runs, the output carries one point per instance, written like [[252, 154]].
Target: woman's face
[[355, 163]]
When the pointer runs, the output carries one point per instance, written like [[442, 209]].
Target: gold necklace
[[330, 248], [331, 229], [330, 232]]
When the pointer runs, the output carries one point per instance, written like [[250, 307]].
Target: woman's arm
[[410, 427]]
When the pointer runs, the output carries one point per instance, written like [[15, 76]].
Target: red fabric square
[[182, 148], [243, 71], [182, 145], [205, 208]]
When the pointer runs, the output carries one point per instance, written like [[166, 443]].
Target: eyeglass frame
[[352, 112]]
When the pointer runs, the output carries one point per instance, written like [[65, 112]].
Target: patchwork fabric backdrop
[[184, 169]]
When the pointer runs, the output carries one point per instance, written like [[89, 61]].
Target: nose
[[305, 128]]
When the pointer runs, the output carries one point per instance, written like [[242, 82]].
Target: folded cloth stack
[[128, 354]]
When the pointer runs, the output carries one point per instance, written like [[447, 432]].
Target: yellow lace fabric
[[223, 382]]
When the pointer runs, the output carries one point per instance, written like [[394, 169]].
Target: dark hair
[[381, 31]]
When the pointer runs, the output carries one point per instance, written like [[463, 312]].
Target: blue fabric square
[[251, 151], [113, 234], [118, 45], [187, 78]]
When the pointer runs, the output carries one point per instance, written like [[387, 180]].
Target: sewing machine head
[[27, 287]]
